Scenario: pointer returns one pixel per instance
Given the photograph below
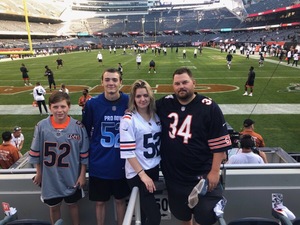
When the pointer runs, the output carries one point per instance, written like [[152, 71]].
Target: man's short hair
[[111, 70], [247, 141], [183, 70], [6, 136]]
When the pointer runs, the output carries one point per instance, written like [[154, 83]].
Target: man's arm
[[21, 145], [214, 174]]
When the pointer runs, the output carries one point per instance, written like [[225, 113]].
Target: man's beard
[[186, 96]]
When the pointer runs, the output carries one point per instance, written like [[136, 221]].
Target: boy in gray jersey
[[59, 151]]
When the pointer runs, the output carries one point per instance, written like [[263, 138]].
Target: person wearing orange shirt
[[248, 128], [9, 154], [85, 96]]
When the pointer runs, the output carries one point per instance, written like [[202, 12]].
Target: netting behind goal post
[[30, 51]]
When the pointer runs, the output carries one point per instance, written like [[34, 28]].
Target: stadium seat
[[253, 221]]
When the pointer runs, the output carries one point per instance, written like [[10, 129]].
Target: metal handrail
[[133, 206]]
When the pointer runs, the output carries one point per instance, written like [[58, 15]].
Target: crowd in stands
[[167, 27]]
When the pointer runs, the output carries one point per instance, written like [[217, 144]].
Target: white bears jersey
[[140, 139]]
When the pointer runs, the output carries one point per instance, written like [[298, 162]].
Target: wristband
[[140, 171]]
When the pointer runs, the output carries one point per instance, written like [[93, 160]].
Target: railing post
[[133, 205]]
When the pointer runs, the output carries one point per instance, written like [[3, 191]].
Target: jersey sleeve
[[87, 117], [34, 152], [84, 150], [219, 139], [127, 137]]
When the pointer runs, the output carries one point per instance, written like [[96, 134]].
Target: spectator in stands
[[152, 66], [25, 76], [100, 58], [247, 156], [17, 139], [9, 154], [248, 128]]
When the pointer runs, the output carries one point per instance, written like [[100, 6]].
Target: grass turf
[[82, 68]]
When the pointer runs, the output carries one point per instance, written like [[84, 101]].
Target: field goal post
[[28, 34]]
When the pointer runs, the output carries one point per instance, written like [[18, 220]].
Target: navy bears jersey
[[190, 135]]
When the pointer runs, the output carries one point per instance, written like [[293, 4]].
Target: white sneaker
[[30, 84], [219, 208], [246, 93], [286, 212], [199, 189], [148, 71], [25, 84], [250, 95], [154, 71]]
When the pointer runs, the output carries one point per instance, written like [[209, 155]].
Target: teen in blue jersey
[[140, 131], [193, 145], [101, 116], [59, 151]]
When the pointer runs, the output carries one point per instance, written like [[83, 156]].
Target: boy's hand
[[37, 180]]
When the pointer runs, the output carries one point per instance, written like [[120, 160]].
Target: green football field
[[274, 84]]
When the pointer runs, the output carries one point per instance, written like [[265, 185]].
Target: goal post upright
[[30, 51]]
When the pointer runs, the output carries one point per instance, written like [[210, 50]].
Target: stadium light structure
[[30, 52]]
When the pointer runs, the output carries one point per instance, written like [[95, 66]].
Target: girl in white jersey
[[140, 131]]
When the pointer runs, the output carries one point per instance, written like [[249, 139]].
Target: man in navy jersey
[[101, 117], [193, 145]]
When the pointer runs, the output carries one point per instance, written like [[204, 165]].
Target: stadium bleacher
[[165, 26]]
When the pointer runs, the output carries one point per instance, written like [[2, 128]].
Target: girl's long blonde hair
[[141, 84]]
